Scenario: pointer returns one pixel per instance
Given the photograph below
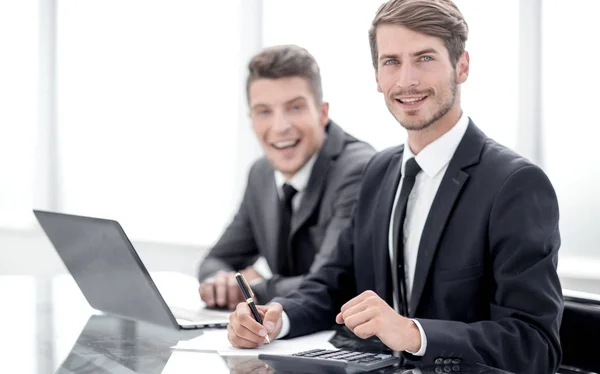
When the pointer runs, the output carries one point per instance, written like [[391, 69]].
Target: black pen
[[249, 297]]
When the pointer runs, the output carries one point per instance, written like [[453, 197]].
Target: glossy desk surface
[[48, 327]]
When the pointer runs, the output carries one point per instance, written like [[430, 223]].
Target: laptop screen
[[106, 267]]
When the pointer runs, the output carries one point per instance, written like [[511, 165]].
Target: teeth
[[285, 144], [412, 100]]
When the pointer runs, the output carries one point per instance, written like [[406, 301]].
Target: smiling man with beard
[[299, 196], [452, 250]]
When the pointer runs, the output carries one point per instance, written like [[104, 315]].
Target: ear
[[377, 80], [462, 67], [324, 113]]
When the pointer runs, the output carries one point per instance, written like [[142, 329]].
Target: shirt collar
[[300, 180], [437, 154]]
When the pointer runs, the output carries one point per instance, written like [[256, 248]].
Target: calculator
[[329, 361]]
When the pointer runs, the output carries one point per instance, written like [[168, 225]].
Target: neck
[[417, 140]]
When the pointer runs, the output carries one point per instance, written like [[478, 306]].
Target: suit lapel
[[312, 193], [453, 182], [389, 185], [270, 207], [333, 146]]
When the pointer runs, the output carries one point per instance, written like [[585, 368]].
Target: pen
[[249, 297]]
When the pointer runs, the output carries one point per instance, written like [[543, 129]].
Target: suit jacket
[[325, 209], [486, 288]]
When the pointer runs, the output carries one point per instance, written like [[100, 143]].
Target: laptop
[[111, 275]]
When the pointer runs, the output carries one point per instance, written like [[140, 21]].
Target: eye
[[263, 112], [426, 58], [297, 107], [391, 62]]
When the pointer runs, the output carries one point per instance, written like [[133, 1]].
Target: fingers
[[207, 293], [349, 313], [234, 295], [357, 300], [367, 329], [272, 318], [220, 287], [353, 302], [238, 341], [360, 317], [243, 331]]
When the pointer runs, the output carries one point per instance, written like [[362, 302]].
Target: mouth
[[411, 101], [285, 144]]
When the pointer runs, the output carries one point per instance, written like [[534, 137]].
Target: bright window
[[336, 34], [571, 126], [148, 95], [18, 110]]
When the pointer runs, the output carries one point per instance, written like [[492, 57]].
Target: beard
[[443, 106]]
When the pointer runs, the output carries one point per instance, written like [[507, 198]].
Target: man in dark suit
[[452, 251], [299, 196]]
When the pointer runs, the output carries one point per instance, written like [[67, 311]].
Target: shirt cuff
[[421, 351], [285, 325]]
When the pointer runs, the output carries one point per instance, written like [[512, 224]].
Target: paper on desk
[[216, 341], [184, 362]]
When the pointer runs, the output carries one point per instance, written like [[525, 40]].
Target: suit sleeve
[[313, 306], [522, 334], [346, 195], [236, 249]]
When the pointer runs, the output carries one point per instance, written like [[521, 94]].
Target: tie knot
[[288, 192], [412, 168]]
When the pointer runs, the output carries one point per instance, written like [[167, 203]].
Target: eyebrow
[[287, 102], [415, 54], [424, 52], [295, 99]]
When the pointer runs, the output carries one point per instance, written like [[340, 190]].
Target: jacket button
[[439, 361], [447, 361], [456, 361]]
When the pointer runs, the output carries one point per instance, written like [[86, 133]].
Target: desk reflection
[[110, 345], [53, 340]]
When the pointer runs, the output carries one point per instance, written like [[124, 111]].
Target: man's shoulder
[[354, 152], [501, 160], [381, 160], [260, 170]]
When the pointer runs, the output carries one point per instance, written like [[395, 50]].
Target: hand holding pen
[[252, 325], [249, 297]]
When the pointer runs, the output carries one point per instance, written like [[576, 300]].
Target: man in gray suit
[[299, 196]]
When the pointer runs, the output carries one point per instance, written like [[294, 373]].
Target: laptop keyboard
[[200, 315]]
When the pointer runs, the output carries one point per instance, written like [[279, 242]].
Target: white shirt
[[433, 160], [299, 181]]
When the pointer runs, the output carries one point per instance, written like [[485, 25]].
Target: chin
[[286, 168]]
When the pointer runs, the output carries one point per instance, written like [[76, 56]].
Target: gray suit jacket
[[325, 209]]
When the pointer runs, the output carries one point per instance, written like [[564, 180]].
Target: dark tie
[[285, 220], [398, 270]]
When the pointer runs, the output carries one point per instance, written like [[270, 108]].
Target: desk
[[50, 328]]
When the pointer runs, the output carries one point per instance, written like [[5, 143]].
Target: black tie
[[285, 220], [398, 271]]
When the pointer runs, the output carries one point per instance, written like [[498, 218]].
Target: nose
[[281, 122], [408, 76]]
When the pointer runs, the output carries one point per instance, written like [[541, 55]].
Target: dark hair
[[439, 18], [285, 61]]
